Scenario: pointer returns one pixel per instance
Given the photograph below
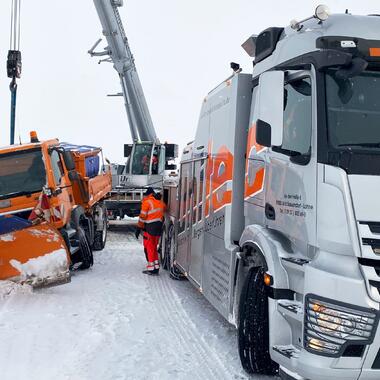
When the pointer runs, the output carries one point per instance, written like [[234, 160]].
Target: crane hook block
[[14, 64]]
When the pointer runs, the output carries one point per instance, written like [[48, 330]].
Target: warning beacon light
[[34, 137], [322, 13]]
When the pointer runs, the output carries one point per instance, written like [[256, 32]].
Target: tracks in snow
[[205, 361]]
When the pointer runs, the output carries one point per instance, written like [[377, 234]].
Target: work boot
[[151, 272]]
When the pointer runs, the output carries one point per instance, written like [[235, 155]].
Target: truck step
[[296, 260], [295, 268], [74, 243], [291, 309], [70, 232], [287, 351], [73, 250]]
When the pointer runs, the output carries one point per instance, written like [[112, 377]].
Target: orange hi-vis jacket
[[151, 215]]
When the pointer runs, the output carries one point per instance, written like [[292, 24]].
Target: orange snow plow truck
[[52, 213]]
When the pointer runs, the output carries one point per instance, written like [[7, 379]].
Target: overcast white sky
[[182, 50]]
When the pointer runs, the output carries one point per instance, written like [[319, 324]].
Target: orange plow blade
[[32, 254]]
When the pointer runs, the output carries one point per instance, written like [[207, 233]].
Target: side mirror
[[271, 105], [128, 149], [263, 133], [171, 151], [69, 160]]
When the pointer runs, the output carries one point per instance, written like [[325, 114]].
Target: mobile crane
[[147, 158], [278, 218]]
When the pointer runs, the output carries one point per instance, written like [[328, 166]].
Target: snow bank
[[7, 288], [47, 266]]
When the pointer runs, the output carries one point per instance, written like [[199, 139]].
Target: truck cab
[[62, 185], [146, 165], [311, 187]]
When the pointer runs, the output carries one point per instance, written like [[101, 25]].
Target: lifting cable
[[14, 61]]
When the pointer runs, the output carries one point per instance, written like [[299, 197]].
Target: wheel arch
[[258, 248], [76, 214]]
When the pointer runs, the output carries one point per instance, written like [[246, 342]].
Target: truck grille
[[371, 269], [375, 264], [374, 243], [370, 256]]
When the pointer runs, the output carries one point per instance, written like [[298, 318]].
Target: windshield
[[21, 173], [141, 158], [353, 110]]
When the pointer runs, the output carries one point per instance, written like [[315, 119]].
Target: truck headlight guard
[[330, 326]]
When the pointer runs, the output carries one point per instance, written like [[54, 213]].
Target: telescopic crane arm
[[119, 53]]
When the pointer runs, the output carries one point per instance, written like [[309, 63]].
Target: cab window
[[56, 165], [297, 116], [141, 158]]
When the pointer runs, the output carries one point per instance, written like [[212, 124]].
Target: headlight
[[331, 326]]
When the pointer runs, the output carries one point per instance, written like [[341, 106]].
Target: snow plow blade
[[32, 254]]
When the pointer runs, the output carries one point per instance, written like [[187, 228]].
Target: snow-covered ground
[[113, 322]]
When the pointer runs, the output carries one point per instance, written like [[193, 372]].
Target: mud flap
[[32, 254]]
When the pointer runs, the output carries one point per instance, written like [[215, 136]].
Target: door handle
[[270, 212]]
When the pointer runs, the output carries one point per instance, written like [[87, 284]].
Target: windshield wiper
[[369, 145], [19, 194]]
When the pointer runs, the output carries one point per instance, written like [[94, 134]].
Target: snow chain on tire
[[86, 256], [100, 237], [175, 273], [253, 329]]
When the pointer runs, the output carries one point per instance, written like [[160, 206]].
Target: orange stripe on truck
[[253, 148], [374, 52]]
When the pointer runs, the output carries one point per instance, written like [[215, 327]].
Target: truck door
[[185, 216], [197, 222], [291, 169], [61, 198]]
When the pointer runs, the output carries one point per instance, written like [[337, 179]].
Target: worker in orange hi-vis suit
[[150, 221]]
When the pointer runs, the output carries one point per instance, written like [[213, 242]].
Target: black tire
[[100, 237], [253, 329], [175, 273], [163, 250], [85, 251]]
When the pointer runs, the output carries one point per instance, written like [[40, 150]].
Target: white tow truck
[[278, 220]]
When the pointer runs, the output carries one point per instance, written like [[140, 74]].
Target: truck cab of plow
[[53, 184]]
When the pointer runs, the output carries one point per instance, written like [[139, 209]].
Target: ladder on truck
[[147, 158]]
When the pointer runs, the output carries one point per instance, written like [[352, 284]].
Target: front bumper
[[343, 282]]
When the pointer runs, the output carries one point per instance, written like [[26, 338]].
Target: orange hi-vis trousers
[[150, 248]]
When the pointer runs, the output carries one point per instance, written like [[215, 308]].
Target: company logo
[[254, 166], [219, 174]]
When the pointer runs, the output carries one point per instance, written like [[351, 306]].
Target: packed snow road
[[113, 322]]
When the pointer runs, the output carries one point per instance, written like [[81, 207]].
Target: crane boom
[[119, 53]]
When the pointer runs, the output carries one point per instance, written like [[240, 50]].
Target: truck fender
[[264, 247], [76, 214], [79, 218], [259, 247]]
